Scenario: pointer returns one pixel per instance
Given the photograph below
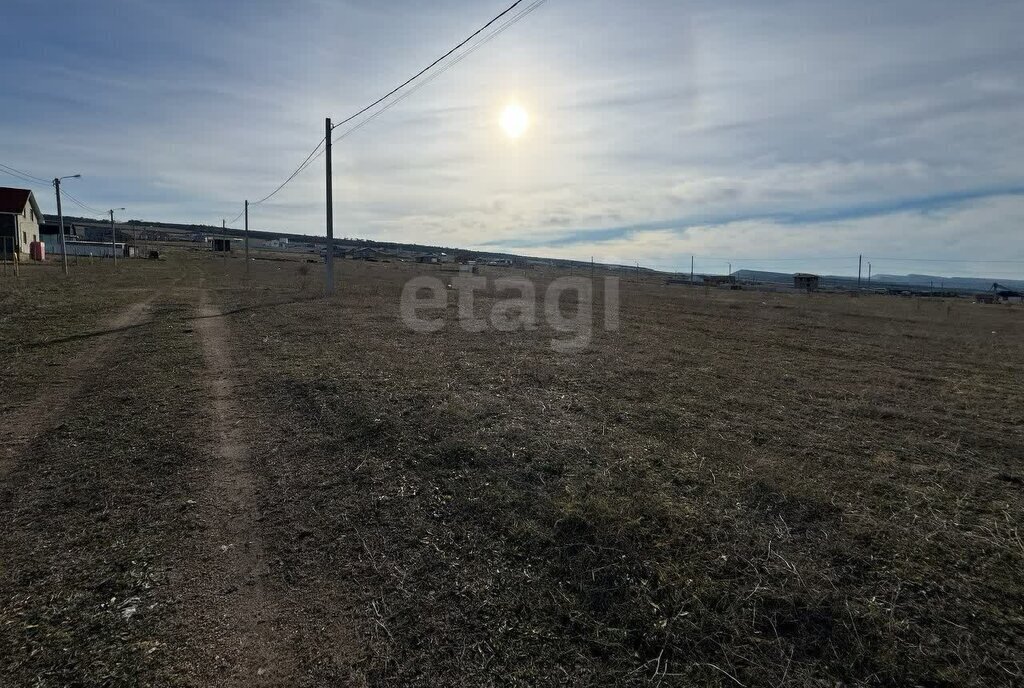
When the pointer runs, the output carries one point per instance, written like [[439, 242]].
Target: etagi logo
[[568, 306]]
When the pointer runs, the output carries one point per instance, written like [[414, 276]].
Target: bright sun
[[514, 120]]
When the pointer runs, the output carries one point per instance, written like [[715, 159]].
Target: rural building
[[428, 258], [49, 234], [718, 280], [366, 253], [19, 219], [221, 244], [805, 280], [95, 249]]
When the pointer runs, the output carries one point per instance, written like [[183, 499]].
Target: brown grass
[[734, 488]]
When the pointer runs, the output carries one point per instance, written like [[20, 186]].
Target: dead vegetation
[[722, 492], [733, 489]]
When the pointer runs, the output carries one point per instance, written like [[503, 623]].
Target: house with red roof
[[19, 220]]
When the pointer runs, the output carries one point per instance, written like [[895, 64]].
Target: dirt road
[[225, 596]]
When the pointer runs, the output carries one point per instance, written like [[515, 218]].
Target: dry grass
[[734, 488], [742, 487]]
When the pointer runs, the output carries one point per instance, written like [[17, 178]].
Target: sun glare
[[514, 120]]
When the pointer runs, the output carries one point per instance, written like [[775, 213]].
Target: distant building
[[718, 280], [366, 253], [806, 281], [19, 219], [221, 245], [428, 258]]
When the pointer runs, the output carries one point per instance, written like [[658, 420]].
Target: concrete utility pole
[[113, 236], [860, 259], [60, 221], [730, 267], [224, 233], [591, 268], [869, 274], [691, 269], [247, 238], [330, 210]]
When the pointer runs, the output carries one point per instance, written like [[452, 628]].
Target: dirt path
[[228, 597], [30, 420]]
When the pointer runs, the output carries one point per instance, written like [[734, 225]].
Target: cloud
[[782, 125]]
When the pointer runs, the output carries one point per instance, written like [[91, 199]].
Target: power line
[[429, 66], [25, 175], [80, 204], [319, 149], [305, 163], [441, 71]]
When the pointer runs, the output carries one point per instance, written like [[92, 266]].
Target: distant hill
[[973, 283], [764, 276], [913, 280]]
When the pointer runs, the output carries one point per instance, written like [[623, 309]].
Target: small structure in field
[[806, 281], [221, 244], [367, 253], [719, 280], [19, 219]]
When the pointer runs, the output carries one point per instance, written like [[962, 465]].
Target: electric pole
[[60, 221], [730, 267], [330, 210], [860, 259], [691, 269], [247, 239], [113, 236], [869, 274]]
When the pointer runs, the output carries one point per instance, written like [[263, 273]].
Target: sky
[[785, 136]]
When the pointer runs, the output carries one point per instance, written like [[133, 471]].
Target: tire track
[[229, 604], [30, 420]]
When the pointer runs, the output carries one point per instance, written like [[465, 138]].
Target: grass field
[[213, 480]]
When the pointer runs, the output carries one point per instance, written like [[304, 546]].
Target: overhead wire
[[429, 66], [320, 149], [26, 175], [513, 20]]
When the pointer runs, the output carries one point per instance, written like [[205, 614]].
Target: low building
[[806, 281], [94, 249], [19, 220], [221, 245], [367, 253]]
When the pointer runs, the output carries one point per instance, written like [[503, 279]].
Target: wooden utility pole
[[60, 221], [247, 239], [224, 234], [691, 269], [113, 240], [330, 210], [869, 274], [591, 267], [860, 259]]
